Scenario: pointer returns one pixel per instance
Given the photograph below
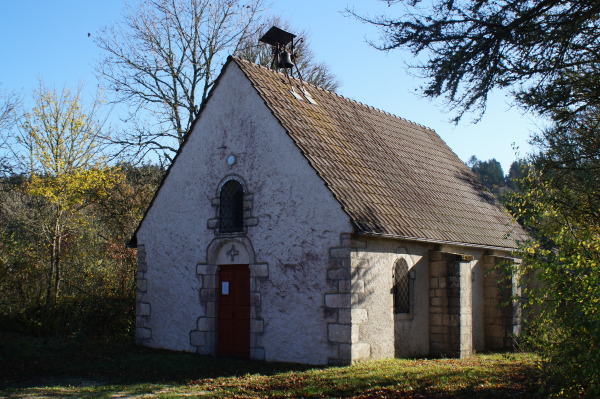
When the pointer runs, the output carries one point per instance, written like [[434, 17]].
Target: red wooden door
[[234, 311]]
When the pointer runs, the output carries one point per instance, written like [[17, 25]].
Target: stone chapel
[[298, 225]]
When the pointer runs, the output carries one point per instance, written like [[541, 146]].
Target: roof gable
[[392, 177]]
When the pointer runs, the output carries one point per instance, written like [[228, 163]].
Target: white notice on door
[[224, 287]]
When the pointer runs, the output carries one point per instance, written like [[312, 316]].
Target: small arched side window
[[231, 207], [401, 288]]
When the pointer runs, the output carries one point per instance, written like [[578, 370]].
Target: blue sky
[[49, 40]]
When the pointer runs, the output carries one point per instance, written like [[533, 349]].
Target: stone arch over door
[[221, 252]]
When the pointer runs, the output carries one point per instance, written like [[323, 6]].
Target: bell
[[285, 60]]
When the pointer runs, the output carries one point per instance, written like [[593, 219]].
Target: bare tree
[[163, 59], [311, 71], [10, 103]]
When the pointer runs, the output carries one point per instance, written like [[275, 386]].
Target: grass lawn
[[49, 368]]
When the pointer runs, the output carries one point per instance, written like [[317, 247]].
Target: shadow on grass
[[43, 368], [31, 361]]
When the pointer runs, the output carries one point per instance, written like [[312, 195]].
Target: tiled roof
[[391, 176]]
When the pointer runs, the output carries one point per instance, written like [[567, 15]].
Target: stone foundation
[[143, 311]]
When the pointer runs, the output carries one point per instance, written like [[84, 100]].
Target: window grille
[[231, 207], [401, 287]]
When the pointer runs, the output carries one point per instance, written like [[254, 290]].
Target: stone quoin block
[[212, 224], [352, 316], [255, 298], [143, 333], [211, 339], [339, 252], [206, 324], [338, 300], [257, 325], [209, 281], [198, 338], [342, 273], [251, 221], [257, 353], [203, 269], [361, 350], [143, 309], [207, 294], [141, 284], [260, 341], [345, 351], [142, 265], [342, 333], [344, 286], [211, 309]]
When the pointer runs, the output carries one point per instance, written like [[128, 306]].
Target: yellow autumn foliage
[[74, 190]]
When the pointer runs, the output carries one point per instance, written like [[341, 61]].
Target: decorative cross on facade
[[233, 252]]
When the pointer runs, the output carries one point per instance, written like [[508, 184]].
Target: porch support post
[[450, 305]]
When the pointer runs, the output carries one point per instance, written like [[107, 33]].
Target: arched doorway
[[233, 324]]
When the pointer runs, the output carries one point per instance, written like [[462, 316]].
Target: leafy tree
[[119, 214], [563, 299], [163, 59], [122, 210], [545, 51], [64, 220], [21, 265], [489, 173], [311, 71], [97, 296], [516, 173], [60, 148]]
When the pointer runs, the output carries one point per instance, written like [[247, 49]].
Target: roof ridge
[[391, 176], [237, 59]]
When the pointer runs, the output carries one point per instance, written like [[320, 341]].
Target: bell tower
[[282, 44]]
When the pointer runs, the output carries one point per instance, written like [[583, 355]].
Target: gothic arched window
[[401, 287], [231, 207]]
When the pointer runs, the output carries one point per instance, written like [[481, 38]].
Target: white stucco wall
[[387, 334], [298, 221]]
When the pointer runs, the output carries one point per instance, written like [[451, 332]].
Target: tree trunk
[[54, 276]]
